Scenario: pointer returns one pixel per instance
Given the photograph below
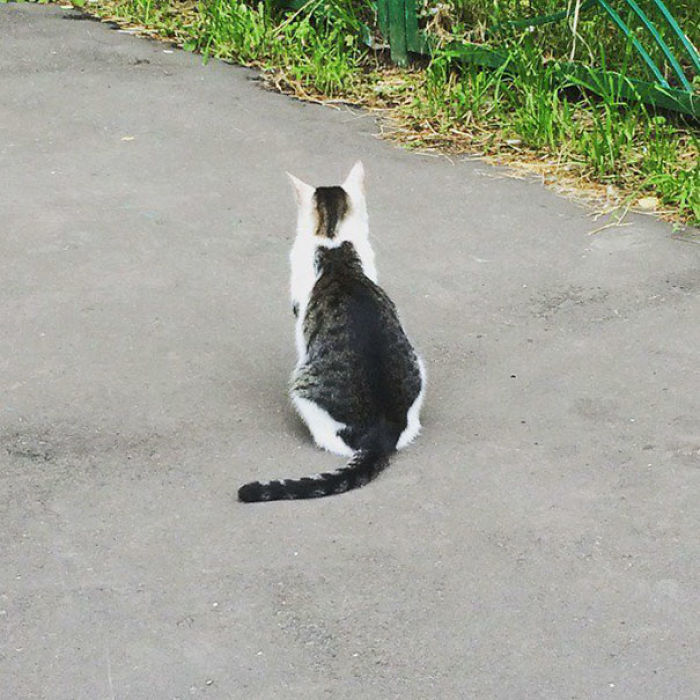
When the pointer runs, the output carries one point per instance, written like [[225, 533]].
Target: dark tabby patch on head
[[331, 206]]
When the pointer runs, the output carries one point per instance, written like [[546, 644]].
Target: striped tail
[[363, 466]]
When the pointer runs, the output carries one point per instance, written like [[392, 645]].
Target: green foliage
[[597, 35], [605, 139], [318, 51], [317, 45], [678, 188]]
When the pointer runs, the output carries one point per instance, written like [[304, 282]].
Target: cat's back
[[344, 301], [355, 338]]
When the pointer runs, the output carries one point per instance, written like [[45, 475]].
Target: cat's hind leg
[[413, 417], [323, 427]]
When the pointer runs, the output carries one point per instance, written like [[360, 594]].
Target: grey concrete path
[[541, 538]]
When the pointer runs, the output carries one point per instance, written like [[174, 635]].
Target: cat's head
[[331, 215]]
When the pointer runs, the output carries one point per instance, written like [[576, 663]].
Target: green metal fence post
[[398, 22], [413, 38], [383, 17], [397, 31]]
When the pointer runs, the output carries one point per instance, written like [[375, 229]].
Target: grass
[[315, 50], [524, 115], [598, 41], [599, 140]]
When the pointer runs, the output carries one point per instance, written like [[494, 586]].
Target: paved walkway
[[540, 540]]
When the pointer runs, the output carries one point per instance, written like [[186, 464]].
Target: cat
[[358, 383]]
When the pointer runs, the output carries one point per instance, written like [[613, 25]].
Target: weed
[[604, 139], [597, 37]]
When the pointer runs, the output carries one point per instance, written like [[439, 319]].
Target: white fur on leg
[[413, 416], [324, 429]]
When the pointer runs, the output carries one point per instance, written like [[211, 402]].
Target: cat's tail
[[363, 466]]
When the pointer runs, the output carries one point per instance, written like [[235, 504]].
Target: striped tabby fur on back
[[358, 383]]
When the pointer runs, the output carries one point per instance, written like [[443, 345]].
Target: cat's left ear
[[355, 181], [302, 191]]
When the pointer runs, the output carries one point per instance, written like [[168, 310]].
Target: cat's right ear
[[355, 181], [302, 191]]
